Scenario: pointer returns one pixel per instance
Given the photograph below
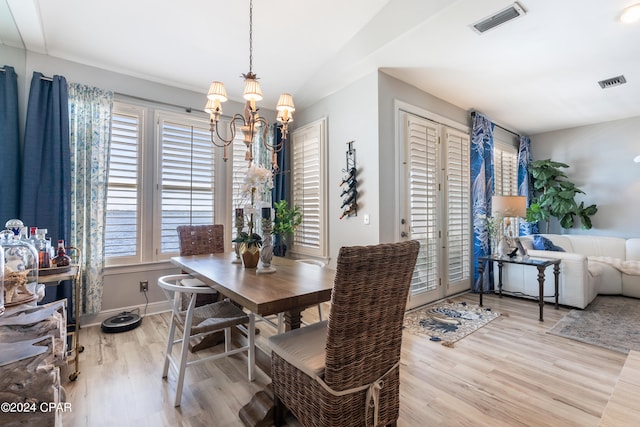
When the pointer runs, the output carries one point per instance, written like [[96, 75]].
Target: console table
[[540, 264]]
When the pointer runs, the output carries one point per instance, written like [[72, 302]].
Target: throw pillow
[[541, 243]]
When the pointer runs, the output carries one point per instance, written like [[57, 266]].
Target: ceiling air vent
[[499, 18], [613, 81]]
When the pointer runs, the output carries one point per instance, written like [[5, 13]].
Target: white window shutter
[[423, 200], [123, 214], [308, 187], [186, 177], [458, 206]]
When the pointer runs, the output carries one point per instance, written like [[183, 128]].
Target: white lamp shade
[[285, 102], [509, 206], [217, 91], [252, 91]]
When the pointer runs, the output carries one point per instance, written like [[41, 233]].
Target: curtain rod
[[139, 98], [473, 113]]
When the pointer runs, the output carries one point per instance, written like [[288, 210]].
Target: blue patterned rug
[[447, 322]]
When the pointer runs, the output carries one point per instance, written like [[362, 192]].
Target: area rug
[[447, 322], [609, 321]]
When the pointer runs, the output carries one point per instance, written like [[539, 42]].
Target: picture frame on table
[[521, 250]]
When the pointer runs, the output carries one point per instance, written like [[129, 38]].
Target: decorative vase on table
[[250, 255]]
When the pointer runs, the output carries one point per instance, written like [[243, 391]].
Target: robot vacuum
[[122, 322]]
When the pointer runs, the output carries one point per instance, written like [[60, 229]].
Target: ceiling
[[534, 74]]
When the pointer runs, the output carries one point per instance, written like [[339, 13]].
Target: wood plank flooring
[[508, 373]]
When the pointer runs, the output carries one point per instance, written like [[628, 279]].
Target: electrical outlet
[[144, 286]]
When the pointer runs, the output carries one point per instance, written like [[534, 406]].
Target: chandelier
[[250, 123]]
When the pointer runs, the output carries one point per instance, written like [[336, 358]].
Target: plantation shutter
[[458, 207], [505, 164], [122, 218], [307, 188], [186, 177], [423, 195]]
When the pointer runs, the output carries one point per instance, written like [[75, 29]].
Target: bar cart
[[53, 277]]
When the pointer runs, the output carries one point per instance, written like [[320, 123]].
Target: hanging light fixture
[[251, 122]]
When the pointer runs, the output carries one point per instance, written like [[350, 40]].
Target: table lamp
[[505, 208]]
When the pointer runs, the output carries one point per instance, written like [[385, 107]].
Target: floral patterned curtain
[[525, 187], [481, 192], [89, 125]]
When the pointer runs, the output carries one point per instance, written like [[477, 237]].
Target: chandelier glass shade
[[249, 123]]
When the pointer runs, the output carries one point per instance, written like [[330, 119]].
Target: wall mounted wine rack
[[349, 184]]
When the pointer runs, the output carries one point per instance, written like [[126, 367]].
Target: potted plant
[[554, 196], [250, 244], [285, 224]]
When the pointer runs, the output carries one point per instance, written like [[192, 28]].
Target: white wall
[[600, 159], [351, 116]]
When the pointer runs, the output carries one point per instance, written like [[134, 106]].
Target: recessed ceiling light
[[630, 14], [637, 159]]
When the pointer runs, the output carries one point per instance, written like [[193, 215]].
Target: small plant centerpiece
[[285, 224], [554, 196], [250, 244], [258, 181]]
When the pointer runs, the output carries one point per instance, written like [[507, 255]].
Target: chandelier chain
[[250, 36]]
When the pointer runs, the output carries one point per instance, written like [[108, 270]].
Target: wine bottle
[[349, 199], [349, 178], [347, 212]]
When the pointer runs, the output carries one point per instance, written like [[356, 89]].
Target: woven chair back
[[201, 239], [367, 308]]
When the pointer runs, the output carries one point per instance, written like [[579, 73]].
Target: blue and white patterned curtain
[[90, 123], [9, 146], [525, 186], [481, 192]]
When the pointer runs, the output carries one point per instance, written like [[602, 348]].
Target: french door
[[435, 206]]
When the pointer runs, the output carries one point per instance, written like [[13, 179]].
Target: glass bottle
[[14, 225], [44, 259], [61, 259], [20, 269]]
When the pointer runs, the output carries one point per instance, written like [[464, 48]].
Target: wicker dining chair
[[345, 371], [201, 240]]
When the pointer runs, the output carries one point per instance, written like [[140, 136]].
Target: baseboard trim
[[97, 319]]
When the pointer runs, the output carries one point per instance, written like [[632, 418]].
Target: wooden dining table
[[293, 287]]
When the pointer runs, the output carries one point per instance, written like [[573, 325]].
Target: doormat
[[447, 322], [609, 321]]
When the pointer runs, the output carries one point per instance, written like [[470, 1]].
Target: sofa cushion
[[541, 243]]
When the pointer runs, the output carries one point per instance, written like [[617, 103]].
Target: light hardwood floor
[[508, 373]]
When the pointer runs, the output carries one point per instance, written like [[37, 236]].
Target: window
[[162, 173], [505, 164], [186, 181], [308, 187], [122, 228]]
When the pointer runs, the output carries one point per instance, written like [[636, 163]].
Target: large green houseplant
[[285, 224], [554, 196]]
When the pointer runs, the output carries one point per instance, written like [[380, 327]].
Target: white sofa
[[590, 265]]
